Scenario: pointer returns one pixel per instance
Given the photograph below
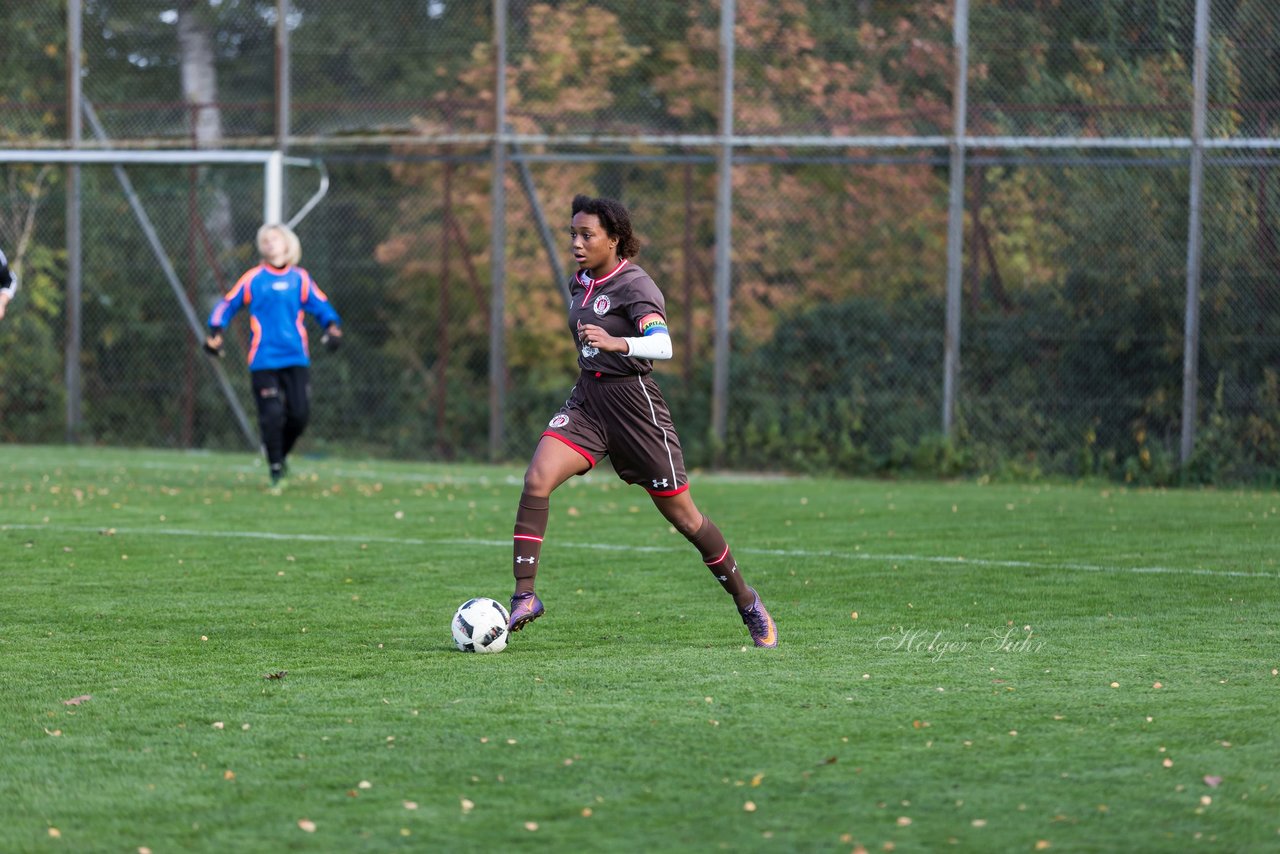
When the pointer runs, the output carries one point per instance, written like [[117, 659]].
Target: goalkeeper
[[8, 284], [277, 292]]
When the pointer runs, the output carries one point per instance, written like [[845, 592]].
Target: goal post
[[273, 164]]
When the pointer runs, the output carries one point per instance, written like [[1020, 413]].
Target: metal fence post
[[724, 231], [75, 268], [498, 238], [1191, 336], [955, 218]]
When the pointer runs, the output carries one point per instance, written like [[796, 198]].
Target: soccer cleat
[[525, 608], [763, 630]]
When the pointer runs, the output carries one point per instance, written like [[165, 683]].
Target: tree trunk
[[209, 227]]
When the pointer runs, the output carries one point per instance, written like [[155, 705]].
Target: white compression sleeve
[[655, 346]]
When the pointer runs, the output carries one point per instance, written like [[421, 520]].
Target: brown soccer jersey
[[617, 302]]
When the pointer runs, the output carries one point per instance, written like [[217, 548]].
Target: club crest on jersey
[[601, 305], [559, 421]]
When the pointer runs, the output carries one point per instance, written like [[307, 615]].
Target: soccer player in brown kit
[[618, 318]]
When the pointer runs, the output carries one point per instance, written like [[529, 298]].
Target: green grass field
[[962, 666]]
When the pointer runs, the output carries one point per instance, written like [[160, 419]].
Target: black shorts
[[626, 419]]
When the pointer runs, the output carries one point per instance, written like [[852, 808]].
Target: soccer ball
[[480, 625]]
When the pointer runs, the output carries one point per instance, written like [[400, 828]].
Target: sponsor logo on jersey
[[601, 305], [559, 421]]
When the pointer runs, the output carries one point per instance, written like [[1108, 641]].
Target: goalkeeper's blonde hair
[[290, 239]]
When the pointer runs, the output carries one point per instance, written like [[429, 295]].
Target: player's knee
[[538, 482], [687, 525], [684, 517], [270, 412]]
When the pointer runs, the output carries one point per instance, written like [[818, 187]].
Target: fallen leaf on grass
[[467, 806], [307, 825], [830, 760], [75, 701], [1213, 781], [279, 674]]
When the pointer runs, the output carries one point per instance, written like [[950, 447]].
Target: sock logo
[[520, 559]]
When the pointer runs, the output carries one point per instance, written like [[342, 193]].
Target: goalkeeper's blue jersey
[[278, 299]]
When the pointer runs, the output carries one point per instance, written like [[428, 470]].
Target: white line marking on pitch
[[786, 553]]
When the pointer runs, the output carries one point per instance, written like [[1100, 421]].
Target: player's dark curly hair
[[615, 219]]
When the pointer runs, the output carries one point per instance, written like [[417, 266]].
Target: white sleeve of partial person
[[655, 346]]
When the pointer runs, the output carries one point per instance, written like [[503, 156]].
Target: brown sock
[[715, 553], [531, 525]]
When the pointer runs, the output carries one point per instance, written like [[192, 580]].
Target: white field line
[[864, 557]]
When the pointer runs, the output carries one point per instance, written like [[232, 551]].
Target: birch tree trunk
[[200, 91]]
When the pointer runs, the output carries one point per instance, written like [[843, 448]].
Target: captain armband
[[655, 345]]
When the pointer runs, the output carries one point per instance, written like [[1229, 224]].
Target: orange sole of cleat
[[526, 619], [521, 623]]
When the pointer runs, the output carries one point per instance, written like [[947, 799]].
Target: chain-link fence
[[1059, 249]]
